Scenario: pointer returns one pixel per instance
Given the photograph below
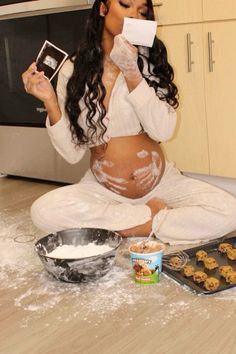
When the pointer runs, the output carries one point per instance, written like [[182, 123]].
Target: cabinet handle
[[211, 61], [189, 43], [8, 62]]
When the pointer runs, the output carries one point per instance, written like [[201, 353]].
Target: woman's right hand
[[37, 85]]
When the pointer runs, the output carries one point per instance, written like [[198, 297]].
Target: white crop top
[[129, 113]]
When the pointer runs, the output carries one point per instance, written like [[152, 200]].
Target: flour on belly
[[142, 154], [144, 177], [116, 184], [148, 176]]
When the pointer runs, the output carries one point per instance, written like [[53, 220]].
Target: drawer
[[219, 10]]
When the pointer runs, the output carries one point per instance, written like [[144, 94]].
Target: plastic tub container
[[147, 261]]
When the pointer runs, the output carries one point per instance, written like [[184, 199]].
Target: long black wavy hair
[[86, 80]]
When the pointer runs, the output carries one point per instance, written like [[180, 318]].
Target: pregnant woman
[[119, 101]]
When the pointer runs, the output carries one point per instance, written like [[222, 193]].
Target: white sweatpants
[[199, 211]]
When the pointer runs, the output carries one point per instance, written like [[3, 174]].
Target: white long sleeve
[[60, 133], [157, 117], [129, 113]]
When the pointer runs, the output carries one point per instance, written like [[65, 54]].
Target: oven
[[25, 149]]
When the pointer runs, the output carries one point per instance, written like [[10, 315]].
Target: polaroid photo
[[50, 59], [139, 32]]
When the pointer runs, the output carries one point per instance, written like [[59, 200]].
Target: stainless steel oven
[[25, 149]]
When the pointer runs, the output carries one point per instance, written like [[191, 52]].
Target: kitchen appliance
[[25, 148]]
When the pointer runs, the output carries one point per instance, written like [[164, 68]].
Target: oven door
[[24, 144], [20, 42]]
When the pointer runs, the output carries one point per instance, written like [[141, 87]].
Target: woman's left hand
[[125, 56]]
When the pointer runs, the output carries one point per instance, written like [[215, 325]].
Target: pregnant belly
[[129, 166]]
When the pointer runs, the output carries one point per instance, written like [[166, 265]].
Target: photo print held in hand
[[139, 32], [50, 59]]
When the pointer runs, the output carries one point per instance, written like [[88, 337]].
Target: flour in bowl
[[70, 251]]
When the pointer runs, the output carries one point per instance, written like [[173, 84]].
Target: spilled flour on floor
[[36, 293]]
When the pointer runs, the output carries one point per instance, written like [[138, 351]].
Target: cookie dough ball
[[199, 276], [175, 262], [211, 283], [224, 270], [231, 277], [231, 254], [224, 247], [210, 263], [201, 255], [188, 270]]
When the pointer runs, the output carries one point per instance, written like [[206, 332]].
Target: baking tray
[[211, 249]]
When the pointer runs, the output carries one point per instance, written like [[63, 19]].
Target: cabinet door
[[220, 97], [188, 148], [177, 11], [219, 9]]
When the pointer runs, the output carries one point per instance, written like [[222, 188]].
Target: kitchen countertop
[[39, 314]]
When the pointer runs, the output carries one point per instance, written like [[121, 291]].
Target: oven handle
[[8, 61]]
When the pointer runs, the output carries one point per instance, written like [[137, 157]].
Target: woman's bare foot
[[144, 230]]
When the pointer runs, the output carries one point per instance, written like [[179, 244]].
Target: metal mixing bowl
[[80, 269]]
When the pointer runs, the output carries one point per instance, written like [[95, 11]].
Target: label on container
[[147, 267]]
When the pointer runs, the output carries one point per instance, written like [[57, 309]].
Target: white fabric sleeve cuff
[[157, 117], [61, 139], [141, 95]]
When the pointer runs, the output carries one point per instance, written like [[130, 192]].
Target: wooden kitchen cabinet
[[219, 10], [177, 11], [205, 139], [189, 147], [220, 97]]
